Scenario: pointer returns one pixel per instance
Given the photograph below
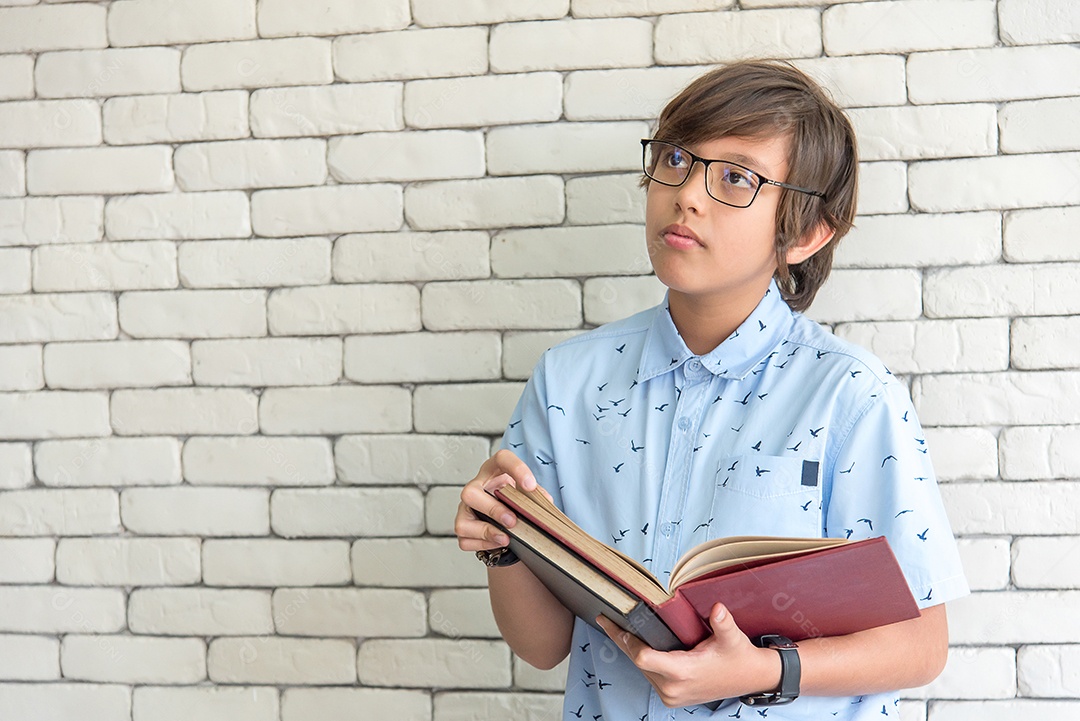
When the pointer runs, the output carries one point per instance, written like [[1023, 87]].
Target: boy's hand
[[502, 469], [725, 665]]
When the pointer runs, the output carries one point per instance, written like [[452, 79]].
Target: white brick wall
[[272, 275]]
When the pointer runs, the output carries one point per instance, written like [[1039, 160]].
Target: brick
[[1041, 21], [604, 199], [1038, 126], [107, 171], [1045, 342], [1020, 398], [380, 562], [330, 209], [343, 309], [23, 370], [52, 609], [414, 458], [193, 313], [894, 294], [50, 123], [33, 29], [456, 408], [16, 465], [498, 304], [26, 560], [436, 53], [986, 562], [98, 73], [609, 8], [15, 270], [61, 701], [293, 661], [530, 678], [973, 673], [521, 350], [258, 461], [349, 612], [279, 18], [179, 22], [29, 658], [176, 118], [199, 611], [257, 64], [1041, 562], [934, 346], [345, 704], [53, 414], [105, 266], [963, 453], [406, 256], [246, 263], [570, 44], [124, 659], [1049, 671], [214, 703], [267, 361], [275, 562], [407, 156], [623, 94], [127, 562], [427, 13], [1040, 452], [559, 252], [16, 77], [108, 462], [484, 203], [960, 76], [334, 410], [883, 188], [483, 664], [486, 100], [564, 148], [690, 38], [352, 512], [178, 216], [183, 511], [460, 705], [331, 110], [250, 164], [1002, 290], [882, 241], [1031, 236], [609, 299], [916, 132], [464, 612], [184, 411], [1053, 179], [1002, 710], [12, 172], [1014, 617], [859, 80], [1012, 508], [899, 27], [407, 357]]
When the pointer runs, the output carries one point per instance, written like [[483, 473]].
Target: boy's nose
[[691, 194]]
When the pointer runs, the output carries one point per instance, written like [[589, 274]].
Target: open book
[[796, 587]]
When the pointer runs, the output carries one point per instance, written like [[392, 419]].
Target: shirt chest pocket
[[760, 495]]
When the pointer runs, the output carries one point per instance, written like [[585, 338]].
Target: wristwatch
[[790, 673], [497, 557]]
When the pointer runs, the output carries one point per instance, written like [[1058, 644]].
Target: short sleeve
[[883, 483], [528, 435]]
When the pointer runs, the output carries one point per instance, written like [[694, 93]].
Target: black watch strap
[[790, 673]]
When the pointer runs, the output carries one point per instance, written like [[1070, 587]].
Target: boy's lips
[[680, 236]]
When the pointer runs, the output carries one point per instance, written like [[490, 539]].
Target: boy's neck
[[706, 322]]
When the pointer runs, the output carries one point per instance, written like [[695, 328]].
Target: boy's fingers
[[516, 468]]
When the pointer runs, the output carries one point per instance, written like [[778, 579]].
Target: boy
[[700, 417]]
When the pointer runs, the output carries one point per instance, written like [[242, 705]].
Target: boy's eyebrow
[[747, 160]]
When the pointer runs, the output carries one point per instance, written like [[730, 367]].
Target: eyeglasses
[[727, 182]]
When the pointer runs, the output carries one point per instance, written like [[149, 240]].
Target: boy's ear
[[816, 239]]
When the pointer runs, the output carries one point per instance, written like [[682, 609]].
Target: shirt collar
[[742, 351]]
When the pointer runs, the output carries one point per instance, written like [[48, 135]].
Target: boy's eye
[[675, 158], [736, 177]]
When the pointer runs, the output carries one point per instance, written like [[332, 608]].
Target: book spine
[[678, 615]]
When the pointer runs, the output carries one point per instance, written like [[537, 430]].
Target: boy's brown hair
[[764, 98]]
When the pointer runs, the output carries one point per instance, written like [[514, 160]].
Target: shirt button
[[665, 529], [684, 423], [694, 365]]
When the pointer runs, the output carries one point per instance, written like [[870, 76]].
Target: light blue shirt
[[654, 450]]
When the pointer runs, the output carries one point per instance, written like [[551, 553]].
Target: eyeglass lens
[[729, 183]]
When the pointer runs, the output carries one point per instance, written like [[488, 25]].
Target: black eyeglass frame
[[706, 162]]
